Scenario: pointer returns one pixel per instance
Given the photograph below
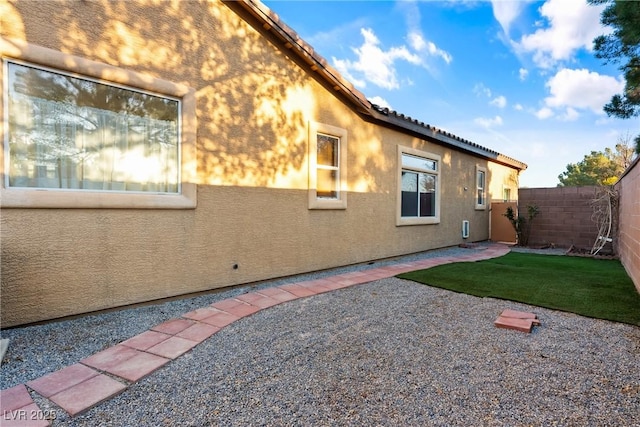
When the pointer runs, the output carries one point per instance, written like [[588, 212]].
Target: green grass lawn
[[586, 286]]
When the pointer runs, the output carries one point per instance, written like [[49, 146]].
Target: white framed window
[[481, 188], [82, 134], [506, 194], [419, 187], [327, 167]]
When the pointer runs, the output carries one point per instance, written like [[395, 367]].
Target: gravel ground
[[40, 349], [390, 352]]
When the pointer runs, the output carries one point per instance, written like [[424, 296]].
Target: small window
[[419, 194], [327, 167], [73, 139], [506, 194], [481, 188]]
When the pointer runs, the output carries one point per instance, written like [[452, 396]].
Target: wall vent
[[465, 229]]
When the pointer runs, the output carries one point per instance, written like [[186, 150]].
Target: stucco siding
[[253, 109]]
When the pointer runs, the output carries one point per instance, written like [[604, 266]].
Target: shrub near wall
[[627, 242], [564, 218]]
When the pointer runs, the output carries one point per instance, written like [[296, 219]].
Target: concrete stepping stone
[[60, 380], [87, 394], [517, 320]]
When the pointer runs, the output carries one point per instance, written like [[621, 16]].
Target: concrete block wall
[[565, 217], [627, 242]]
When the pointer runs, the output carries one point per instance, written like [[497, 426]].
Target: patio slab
[[243, 309], [87, 394], [297, 290], [201, 313], [14, 398], [227, 304], [145, 340], [138, 367], [258, 300], [220, 319], [110, 357], [27, 416], [198, 332], [278, 294], [173, 326], [173, 347], [63, 379]]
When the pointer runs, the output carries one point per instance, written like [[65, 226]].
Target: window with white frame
[[82, 141], [419, 189], [327, 167], [481, 187], [506, 194]]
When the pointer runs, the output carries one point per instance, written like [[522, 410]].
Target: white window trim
[[14, 197], [506, 187], [400, 220], [316, 202], [480, 206]]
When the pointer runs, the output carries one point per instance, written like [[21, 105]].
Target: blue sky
[[518, 77]]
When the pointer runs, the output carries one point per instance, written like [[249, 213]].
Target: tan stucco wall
[[253, 109]]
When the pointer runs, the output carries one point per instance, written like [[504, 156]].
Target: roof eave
[[433, 134], [271, 22]]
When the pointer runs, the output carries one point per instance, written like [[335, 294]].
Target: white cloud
[[518, 107], [481, 90], [544, 113], [416, 38], [581, 89], [572, 25], [488, 122], [499, 102], [523, 73], [374, 64], [380, 101], [378, 66], [420, 45], [506, 12], [569, 115]]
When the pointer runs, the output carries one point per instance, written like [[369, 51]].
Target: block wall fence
[[627, 243], [564, 217]]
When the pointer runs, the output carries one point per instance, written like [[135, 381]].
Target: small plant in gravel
[[522, 225]]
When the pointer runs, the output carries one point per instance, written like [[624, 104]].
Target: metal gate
[[501, 228]]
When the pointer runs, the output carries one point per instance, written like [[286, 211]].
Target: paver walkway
[[103, 375]]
